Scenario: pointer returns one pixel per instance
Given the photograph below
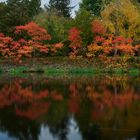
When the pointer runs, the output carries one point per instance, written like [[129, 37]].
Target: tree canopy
[[17, 12]]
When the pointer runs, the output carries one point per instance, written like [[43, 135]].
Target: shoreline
[[66, 66]]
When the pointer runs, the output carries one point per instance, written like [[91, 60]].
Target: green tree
[[17, 12], [34, 7], [2, 15], [94, 6], [61, 6], [83, 22], [56, 25]]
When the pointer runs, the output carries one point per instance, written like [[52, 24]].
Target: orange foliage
[[36, 33], [5, 45], [33, 39], [109, 45], [125, 49], [34, 111], [97, 27], [106, 44]]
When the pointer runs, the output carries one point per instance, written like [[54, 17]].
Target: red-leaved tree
[[98, 28], [76, 41]]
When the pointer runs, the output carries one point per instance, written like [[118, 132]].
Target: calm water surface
[[70, 108]]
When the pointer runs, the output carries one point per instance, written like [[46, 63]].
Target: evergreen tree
[[34, 7], [61, 6], [17, 12], [2, 15], [94, 6]]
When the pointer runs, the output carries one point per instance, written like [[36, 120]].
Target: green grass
[[134, 72], [54, 71], [82, 70], [77, 71], [17, 70], [71, 71]]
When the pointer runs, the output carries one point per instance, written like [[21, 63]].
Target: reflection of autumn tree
[[74, 99], [21, 128], [94, 102], [28, 103], [34, 111], [108, 91], [105, 95], [115, 92]]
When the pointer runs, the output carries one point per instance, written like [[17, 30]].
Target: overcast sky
[[73, 3]]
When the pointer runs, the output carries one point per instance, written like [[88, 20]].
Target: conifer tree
[[17, 12], [94, 6], [61, 6]]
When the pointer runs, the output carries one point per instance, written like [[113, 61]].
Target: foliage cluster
[[28, 39], [112, 30]]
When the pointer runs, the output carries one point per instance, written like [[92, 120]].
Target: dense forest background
[[99, 28]]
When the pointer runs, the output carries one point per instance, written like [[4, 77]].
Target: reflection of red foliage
[[42, 94], [34, 111], [55, 96], [107, 99], [74, 104], [73, 89], [33, 104], [74, 99], [16, 94], [96, 114]]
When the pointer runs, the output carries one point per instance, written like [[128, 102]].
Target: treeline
[[100, 27]]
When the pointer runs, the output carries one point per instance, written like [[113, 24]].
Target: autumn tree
[[27, 40], [118, 19], [36, 38], [75, 41], [98, 27], [108, 44]]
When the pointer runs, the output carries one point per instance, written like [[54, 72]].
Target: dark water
[[80, 108]]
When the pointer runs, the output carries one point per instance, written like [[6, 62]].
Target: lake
[[99, 107]]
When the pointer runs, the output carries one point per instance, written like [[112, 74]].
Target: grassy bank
[[23, 70], [65, 66]]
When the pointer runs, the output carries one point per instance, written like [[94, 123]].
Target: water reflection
[[82, 108], [69, 133]]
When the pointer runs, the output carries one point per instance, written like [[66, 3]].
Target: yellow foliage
[[122, 17]]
